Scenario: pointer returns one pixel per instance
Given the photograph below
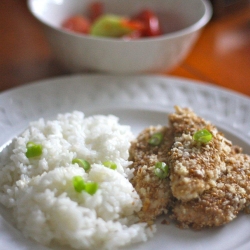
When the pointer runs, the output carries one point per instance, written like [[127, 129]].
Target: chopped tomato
[[144, 24], [96, 9], [77, 24], [151, 22], [133, 24]]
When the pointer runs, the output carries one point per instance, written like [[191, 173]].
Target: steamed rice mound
[[40, 192]]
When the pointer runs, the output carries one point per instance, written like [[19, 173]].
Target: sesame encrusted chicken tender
[[154, 192], [195, 167], [220, 204]]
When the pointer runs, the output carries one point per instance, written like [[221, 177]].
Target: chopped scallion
[[161, 170], [82, 163], [156, 139], [33, 150], [110, 164], [78, 184], [91, 187], [203, 136]]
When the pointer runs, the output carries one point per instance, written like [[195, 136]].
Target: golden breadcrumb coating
[[195, 167], [154, 192], [222, 203]]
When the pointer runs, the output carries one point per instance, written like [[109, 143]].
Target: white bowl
[[182, 21]]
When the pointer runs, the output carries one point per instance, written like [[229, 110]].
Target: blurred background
[[221, 55]]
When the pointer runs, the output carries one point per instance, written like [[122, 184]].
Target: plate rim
[[179, 80]]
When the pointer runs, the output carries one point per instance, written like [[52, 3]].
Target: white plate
[[139, 101]]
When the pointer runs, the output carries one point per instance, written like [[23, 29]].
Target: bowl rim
[[198, 25]]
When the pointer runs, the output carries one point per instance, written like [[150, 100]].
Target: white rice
[[40, 192]]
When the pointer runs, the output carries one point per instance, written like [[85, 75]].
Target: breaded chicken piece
[[195, 167], [209, 183], [154, 192], [220, 204]]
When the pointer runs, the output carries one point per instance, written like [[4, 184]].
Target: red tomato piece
[[96, 9], [133, 24], [151, 22], [79, 24], [136, 27]]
